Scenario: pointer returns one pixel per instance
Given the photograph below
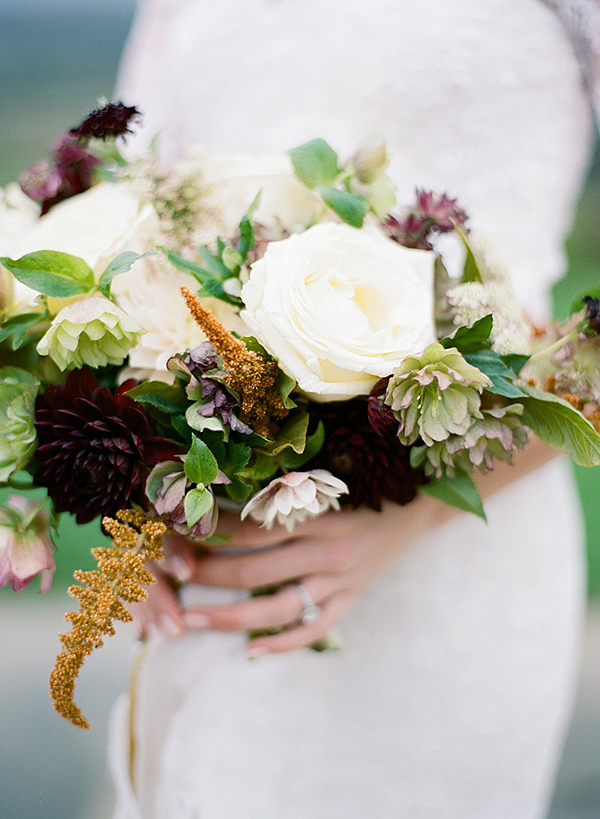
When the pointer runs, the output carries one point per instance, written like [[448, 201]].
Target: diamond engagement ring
[[311, 611]]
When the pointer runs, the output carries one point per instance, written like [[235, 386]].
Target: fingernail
[[254, 652], [169, 626], [194, 619], [178, 567]]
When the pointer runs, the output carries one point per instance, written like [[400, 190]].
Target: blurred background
[[56, 60]]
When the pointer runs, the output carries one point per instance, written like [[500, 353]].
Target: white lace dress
[[450, 697]]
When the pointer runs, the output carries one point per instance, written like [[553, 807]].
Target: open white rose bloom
[[340, 308]]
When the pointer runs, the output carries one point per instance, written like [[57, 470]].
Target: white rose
[[340, 307], [96, 225]]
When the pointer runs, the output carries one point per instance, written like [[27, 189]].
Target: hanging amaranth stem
[[119, 578]]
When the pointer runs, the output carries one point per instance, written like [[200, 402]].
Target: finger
[[264, 612], [273, 566], [303, 635], [179, 557], [160, 611]]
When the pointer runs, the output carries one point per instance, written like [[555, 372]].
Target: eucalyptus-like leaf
[[52, 273], [315, 163], [351, 208], [560, 425], [459, 491]]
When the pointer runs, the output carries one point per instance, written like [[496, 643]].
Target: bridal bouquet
[[274, 335]]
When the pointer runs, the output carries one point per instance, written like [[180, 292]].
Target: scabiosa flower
[[295, 497], [369, 459], [93, 332], [111, 120], [431, 213], [95, 447], [25, 546], [435, 395]]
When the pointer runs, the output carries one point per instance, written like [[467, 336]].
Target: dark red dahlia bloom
[[95, 447], [374, 465], [112, 120], [592, 314], [431, 213]]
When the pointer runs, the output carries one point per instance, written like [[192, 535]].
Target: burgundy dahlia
[[112, 120], [95, 447], [592, 314], [374, 465]]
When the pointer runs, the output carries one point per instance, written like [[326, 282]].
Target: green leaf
[[166, 397], [291, 460], [200, 423], [292, 434], [214, 288], [577, 303], [52, 273], [200, 464], [197, 503], [215, 267], [561, 426], [470, 339], [16, 329], [515, 361], [459, 491], [350, 208], [232, 259], [285, 385], [235, 458], [315, 163], [181, 263], [263, 467], [491, 364], [246, 228], [238, 490], [471, 269], [120, 264]]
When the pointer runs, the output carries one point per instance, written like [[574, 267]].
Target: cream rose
[[96, 225], [339, 307]]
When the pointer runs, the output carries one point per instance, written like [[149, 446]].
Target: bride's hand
[[334, 556]]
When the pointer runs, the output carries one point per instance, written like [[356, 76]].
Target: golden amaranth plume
[[119, 578], [248, 373]]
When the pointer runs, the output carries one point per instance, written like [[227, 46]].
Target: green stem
[[555, 347]]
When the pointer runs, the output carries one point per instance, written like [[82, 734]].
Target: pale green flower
[[18, 390], [496, 435], [435, 395], [93, 332]]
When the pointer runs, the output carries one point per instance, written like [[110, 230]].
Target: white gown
[[451, 695]]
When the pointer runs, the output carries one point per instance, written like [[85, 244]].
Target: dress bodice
[[484, 100]]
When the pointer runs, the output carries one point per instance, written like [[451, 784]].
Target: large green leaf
[[168, 398], [561, 426], [471, 270], [459, 491], [292, 460], [315, 163], [16, 329], [350, 208], [292, 434], [52, 273], [491, 364]]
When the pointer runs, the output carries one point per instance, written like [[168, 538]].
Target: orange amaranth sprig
[[250, 374], [120, 577]]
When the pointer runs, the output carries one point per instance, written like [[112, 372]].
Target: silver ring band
[[310, 611]]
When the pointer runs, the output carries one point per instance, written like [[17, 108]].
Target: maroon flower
[[592, 314], [95, 447], [431, 213], [112, 120], [374, 465]]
